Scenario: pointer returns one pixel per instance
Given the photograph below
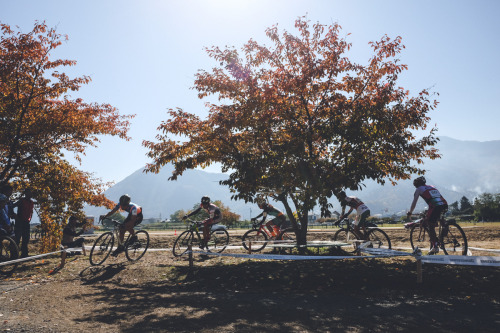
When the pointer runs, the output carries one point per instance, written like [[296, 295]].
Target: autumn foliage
[[40, 121], [299, 121]]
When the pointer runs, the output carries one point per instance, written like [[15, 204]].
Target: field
[[161, 293]]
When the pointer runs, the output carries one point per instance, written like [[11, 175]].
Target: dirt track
[[160, 293]]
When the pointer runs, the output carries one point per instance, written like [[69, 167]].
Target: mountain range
[[466, 168]]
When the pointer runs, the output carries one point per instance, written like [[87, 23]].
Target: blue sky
[[142, 55]]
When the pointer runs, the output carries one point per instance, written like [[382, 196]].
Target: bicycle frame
[[263, 228]]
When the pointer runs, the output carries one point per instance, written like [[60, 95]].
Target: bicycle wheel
[[453, 240], [8, 252], [136, 250], [378, 239], [288, 236], [182, 242], [102, 248], [345, 236], [419, 237], [218, 241], [257, 238]]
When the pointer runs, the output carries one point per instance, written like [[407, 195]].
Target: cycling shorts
[[362, 218]]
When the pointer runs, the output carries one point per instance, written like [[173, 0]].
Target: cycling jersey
[[356, 203], [269, 209], [213, 212], [431, 196], [131, 208]]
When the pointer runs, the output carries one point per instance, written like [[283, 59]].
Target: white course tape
[[29, 258], [486, 250], [460, 260], [292, 257]]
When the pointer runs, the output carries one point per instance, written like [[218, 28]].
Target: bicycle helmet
[[205, 199], [342, 195], [124, 199], [419, 181]]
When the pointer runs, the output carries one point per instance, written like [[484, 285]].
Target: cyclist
[[437, 207], [5, 225], [134, 217], [278, 220], [69, 241], [362, 211], [215, 216]]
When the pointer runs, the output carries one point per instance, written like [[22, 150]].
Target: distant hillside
[[466, 168]]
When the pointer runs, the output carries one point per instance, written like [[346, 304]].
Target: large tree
[[299, 121], [39, 122]]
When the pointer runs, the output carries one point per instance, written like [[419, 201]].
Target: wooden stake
[[419, 271]]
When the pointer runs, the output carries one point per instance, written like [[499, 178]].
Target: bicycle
[[451, 237], [377, 237], [260, 234], [104, 244], [8, 251], [219, 238]]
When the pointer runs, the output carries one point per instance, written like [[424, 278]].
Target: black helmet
[[124, 199], [342, 195], [419, 181], [205, 199]]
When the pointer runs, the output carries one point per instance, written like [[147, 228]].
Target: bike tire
[[454, 241], [182, 242], [102, 248], [419, 237], [8, 251], [287, 235], [136, 251], [378, 239], [345, 236], [256, 237], [218, 241]]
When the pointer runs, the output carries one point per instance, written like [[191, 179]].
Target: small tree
[[466, 206]]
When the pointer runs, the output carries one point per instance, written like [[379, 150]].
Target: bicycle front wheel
[[257, 238], [136, 250], [101, 248], [345, 236], [8, 252], [218, 241], [419, 237], [453, 240], [378, 239], [182, 242]]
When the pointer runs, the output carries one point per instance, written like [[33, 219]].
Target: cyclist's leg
[[269, 226], [362, 221]]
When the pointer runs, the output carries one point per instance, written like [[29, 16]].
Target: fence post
[[190, 256], [419, 271]]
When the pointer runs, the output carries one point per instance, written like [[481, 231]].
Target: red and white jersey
[[431, 195], [357, 204]]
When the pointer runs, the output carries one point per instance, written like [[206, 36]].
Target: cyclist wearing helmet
[[215, 216], [134, 218], [363, 212], [437, 207], [278, 220]]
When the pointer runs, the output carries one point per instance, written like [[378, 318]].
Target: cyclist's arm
[[114, 210], [194, 212], [414, 203]]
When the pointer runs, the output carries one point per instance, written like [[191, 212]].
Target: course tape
[[15, 261], [460, 260], [292, 257], [485, 250]]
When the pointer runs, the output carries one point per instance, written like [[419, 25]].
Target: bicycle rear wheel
[[135, 251], [182, 242], [345, 236], [288, 238], [218, 241], [378, 239], [453, 240], [257, 238], [101, 248], [8, 251]]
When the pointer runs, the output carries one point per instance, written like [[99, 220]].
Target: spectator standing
[[25, 207]]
